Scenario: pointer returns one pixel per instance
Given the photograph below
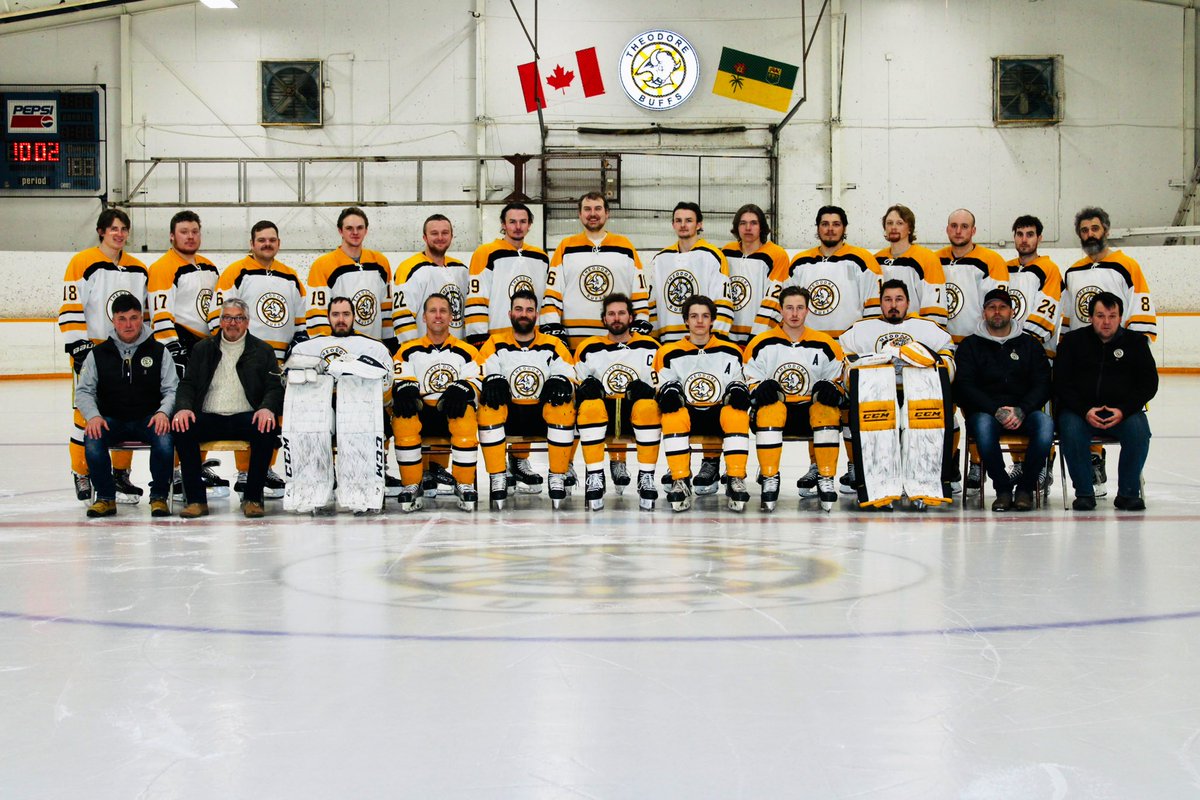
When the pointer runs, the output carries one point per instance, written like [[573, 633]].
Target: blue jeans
[[1038, 427], [1132, 433], [162, 456]]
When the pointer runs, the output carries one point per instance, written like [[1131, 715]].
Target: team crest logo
[[681, 285], [792, 378], [897, 339], [659, 70], [366, 307], [454, 295], [438, 377], [112, 297], [825, 297], [272, 310], [595, 282], [739, 291], [616, 379], [1082, 301], [954, 298], [332, 353], [526, 382], [521, 282], [701, 387], [148, 362], [203, 302], [1018, 303]]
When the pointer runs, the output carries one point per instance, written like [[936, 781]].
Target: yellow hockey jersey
[[844, 288], [436, 366], [274, 294], [91, 283], [676, 276], [750, 278], [617, 364], [416, 278], [703, 373], [180, 295], [368, 284], [968, 279], [794, 365], [921, 271], [526, 366], [497, 270], [1117, 273], [581, 274]]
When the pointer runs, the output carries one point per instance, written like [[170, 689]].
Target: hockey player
[[437, 385], [905, 362], [94, 278], [1103, 269], [181, 289], [527, 390], [971, 272], [616, 396], [702, 391], [358, 273], [342, 344], [275, 296], [501, 268], [430, 271], [687, 268], [793, 372], [755, 264], [843, 285], [1034, 284], [585, 268], [917, 266]]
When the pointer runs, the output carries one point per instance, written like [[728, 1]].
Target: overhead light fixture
[[219, 3]]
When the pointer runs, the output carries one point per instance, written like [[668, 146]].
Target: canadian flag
[[566, 77]]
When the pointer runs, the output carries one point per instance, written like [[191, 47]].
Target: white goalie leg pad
[[361, 452], [307, 441], [926, 438], [876, 434]]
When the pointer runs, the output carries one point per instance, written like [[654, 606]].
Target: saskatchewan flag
[[754, 79]]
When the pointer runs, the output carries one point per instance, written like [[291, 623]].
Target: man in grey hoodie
[[126, 392], [1003, 380]]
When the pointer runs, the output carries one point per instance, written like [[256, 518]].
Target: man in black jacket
[[1103, 377], [231, 390], [1003, 380]]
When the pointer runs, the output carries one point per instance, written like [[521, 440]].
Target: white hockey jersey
[[968, 279], [1116, 273], [794, 365], [703, 373], [181, 294], [1036, 291], [367, 282], [750, 278], [436, 366], [921, 271], [416, 278], [497, 270], [844, 287], [275, 297], [914, 341], [91, 283], [617, 364], [676, 276], [332, 348], [581, 275], [526, 366]]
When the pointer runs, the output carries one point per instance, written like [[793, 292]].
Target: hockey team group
[[588, 349]]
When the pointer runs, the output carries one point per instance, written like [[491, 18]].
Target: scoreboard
[[54, 141]]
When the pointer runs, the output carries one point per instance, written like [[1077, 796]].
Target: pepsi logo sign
[[32, 116]]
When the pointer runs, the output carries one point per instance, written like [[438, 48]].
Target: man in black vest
[[126, 392], [231, 390]]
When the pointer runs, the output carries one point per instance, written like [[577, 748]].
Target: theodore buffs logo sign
[[659, 70]]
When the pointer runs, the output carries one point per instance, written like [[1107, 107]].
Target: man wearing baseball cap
[[1003, 380]]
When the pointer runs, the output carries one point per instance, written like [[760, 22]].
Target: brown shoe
[[253, 510], [1023, 501], [103, 508], [193, 510], [159, 507]]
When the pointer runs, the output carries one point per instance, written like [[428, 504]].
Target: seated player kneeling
[[703, 391], [793, 372], [437, 382], [616, 396], [527, 391]]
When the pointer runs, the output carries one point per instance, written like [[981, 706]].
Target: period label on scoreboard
[[54, 141]]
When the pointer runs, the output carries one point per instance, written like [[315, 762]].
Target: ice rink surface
[[622, 654]]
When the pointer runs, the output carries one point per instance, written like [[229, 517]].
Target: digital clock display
[[53, 140], [34, 152]]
